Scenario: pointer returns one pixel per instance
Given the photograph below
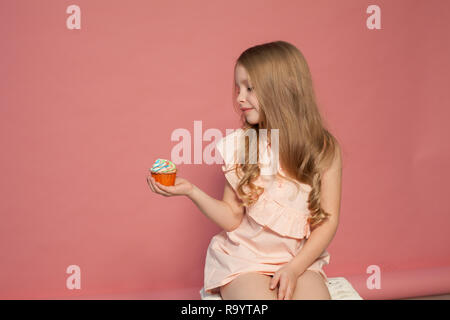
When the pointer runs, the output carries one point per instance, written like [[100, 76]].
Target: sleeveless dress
[[273, 230]]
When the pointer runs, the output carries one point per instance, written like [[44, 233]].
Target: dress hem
[[213, 289]]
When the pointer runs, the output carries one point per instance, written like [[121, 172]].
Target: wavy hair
[[283, 85]]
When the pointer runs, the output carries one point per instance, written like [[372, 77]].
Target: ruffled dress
[[273, 230]]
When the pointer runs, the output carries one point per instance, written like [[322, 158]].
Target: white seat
[[339, 287]]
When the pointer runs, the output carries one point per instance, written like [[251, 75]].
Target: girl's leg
[[249, 286], [310, 286]]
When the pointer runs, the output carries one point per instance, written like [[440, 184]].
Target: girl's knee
[[311, 286]]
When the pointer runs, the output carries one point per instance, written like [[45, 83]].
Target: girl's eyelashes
[[249, 89]]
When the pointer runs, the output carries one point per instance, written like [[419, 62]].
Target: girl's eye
[[238, 90]]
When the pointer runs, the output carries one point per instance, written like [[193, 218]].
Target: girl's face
[[246, 95]]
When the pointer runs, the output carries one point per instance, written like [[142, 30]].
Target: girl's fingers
[[150, 183], [160, 189], [164, 187], [274, 281], [282, 289], [287, 295], [156, 186]]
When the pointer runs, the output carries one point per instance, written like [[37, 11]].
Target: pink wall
[[84, 113]]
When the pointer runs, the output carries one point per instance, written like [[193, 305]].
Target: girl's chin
[[251, 120]]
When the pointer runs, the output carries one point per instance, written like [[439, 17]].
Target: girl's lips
[[247, 109]]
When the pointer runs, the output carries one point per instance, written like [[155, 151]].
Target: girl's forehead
[[241, 76], [243, 81]]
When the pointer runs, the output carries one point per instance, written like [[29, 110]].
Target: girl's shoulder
[[230, 147], [232, 150]]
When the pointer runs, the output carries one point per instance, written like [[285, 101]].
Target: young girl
[[276, 226]]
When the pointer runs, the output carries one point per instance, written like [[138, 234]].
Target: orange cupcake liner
[[167, 179]]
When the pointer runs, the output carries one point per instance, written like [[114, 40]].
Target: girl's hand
[[182, 187], [287, 278]]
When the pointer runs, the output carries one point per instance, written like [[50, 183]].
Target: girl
[[276, 226]]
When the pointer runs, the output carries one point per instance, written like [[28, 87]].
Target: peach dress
[[272, 232]]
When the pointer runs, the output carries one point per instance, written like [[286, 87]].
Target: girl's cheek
[[255, 104]]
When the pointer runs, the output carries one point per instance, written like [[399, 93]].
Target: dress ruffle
[[230, 149], [230, 175], [283, 219], [275, 208]]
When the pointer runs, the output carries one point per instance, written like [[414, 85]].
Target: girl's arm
[[321, 236], [225, 213]]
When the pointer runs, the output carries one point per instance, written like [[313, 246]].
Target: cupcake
[[164, 171]]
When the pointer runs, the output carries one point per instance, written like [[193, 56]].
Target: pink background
[[84, 113]]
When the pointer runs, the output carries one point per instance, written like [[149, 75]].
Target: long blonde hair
[[282, 83]]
